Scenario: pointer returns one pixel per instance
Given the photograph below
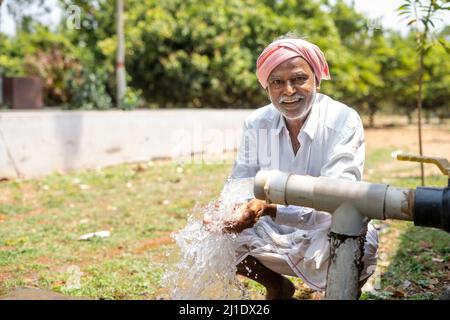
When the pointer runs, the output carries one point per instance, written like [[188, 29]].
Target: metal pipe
[[373, 200]]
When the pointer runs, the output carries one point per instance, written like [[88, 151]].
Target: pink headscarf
[[281, 50]]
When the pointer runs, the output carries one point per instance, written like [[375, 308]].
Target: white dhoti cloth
[[302, 253]]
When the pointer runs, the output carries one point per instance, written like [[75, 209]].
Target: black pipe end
[[432, 207]]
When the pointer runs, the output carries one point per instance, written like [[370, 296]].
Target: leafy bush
[[88, 90], [132, 99]]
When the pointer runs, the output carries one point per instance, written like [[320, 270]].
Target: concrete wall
[[36, 143]]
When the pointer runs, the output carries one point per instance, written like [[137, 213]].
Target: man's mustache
[[296, 96]]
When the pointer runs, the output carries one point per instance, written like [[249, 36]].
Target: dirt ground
[[395, 134]]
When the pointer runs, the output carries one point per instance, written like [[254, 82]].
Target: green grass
[[414, 262], [420, 267], [373, 160], [41, 220]]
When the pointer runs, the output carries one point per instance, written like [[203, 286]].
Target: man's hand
[[246, 216]]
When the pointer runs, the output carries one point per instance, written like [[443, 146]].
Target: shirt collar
[[310, 125]]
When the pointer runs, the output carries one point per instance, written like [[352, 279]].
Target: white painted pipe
[[351, 204], [372, 200]]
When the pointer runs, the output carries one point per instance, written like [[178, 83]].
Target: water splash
[[205, 266]]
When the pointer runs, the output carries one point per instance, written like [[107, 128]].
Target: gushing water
[[205, 267]]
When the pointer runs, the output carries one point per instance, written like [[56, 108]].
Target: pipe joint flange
[[275, 187]]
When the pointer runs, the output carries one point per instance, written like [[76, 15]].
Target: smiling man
[[304, 132]]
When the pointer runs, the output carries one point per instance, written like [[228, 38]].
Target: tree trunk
[[427, 116], [419, 113], [120, 58], [409, 115], [373, 108]]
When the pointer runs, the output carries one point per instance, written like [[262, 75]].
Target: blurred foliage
[[437, 81], [55, 68], [88, 90], [132, 99], [202, 53], [70, 76]]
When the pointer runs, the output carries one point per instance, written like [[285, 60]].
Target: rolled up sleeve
[[292, 215]]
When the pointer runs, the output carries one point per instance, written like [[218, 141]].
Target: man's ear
[[268, 94], [317, 84]]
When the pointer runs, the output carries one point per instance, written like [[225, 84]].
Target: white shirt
[[331, 144]]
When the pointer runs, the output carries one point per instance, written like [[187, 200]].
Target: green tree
[[361, 68], [203, 53], [436, 83], [421, 14], [402, 75]]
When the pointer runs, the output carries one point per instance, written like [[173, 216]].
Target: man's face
[[292, 87]]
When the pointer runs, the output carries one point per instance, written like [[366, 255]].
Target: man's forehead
[[291, 66]]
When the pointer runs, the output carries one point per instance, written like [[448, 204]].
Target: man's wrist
[[271, 210]]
